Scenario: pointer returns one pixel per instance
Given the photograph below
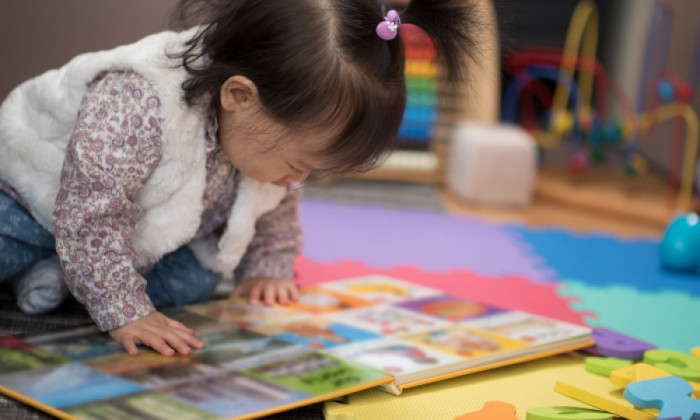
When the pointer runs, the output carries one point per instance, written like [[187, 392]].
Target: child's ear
[[238, 93]]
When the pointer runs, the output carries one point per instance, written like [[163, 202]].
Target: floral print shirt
[[115, 146]]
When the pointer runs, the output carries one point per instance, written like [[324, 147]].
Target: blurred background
[[592, 140], [576, 132]]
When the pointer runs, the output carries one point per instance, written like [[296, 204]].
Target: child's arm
[[266, 270], [113, 150], [162, 334]]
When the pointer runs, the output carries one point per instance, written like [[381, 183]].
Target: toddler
[[147, 175]]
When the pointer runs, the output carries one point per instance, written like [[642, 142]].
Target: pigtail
[[452, 25]]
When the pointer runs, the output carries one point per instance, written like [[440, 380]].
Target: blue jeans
[[177, 279]]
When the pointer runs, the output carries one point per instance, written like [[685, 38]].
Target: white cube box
[[492, 164]]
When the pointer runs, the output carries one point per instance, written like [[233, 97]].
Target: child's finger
[[293, 292], [180, 345], [179, 326], [282, 295], [194, 342], [270, 294], [158, 344], [180, 341], [237, 292], [129, 344], [190, 339], [255, 294]]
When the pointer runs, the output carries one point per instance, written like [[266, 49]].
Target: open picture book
[[340, 337]]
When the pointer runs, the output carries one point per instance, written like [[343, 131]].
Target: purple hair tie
[[388, 28]]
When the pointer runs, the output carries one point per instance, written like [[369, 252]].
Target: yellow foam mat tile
[[527, 385]]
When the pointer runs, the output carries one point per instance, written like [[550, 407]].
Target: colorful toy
[[641, 372], [567, 413], [636, 372], [604, 366], [674, 362], [592, 135], [647, 388], [421, 114], [608, 399], [614, 344], [493, 410], [671, 395], [679, 249]]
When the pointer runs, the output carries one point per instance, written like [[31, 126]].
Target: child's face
[[266, 150]]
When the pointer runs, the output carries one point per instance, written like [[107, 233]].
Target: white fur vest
[[38, 118]]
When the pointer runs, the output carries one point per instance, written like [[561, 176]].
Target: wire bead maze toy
[[592, 133]]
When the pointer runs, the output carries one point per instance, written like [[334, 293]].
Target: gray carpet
[[418, 195]]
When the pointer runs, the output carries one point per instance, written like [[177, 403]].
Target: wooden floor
[[599, 200]]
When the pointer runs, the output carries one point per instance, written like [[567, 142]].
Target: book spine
[[390, 388]]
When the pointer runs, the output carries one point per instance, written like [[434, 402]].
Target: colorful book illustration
[[340, 337]]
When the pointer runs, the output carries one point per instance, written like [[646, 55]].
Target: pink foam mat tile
[[512, 292]]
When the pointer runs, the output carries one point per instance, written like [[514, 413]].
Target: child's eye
[[296, 170]]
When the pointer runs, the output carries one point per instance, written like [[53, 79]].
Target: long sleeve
[[277, 242], [114, 148]]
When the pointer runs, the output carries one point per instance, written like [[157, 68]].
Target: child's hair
[[319, 64]]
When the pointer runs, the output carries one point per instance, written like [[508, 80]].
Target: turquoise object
[[670, 394], [679, 249]]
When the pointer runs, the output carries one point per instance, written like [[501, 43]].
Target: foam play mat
[[597, 279]]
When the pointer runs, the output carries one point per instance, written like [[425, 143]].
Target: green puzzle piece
[[566, 413], [604, 365], [676, 363]]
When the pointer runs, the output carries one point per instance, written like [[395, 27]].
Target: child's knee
[[178, 279]]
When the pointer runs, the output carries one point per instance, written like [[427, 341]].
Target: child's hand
[[268, 289], [162, 334]]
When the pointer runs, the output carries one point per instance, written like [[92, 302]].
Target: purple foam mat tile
[[386, 237]]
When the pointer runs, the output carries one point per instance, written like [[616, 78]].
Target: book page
[[340, 337]]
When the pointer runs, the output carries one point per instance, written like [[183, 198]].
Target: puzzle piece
[[596, 395], [614, 344], [641, 372], [675, 363], [603, 366], [670, 394], [636, 372], [493, 410], [567, 413]]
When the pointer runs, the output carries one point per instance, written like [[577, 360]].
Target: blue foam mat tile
[[605, 260]]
